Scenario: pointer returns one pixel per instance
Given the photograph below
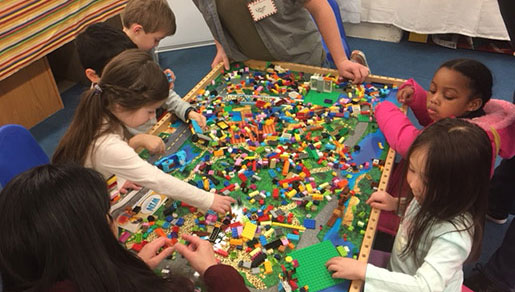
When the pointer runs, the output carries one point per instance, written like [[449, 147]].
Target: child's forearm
[[328, 27], [396, 127], [136, 141]]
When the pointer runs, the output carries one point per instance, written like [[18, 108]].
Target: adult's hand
[[221, 56], [198, 252], [150, 253]]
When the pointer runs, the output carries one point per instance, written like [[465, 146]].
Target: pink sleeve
[[396, 127], [418, 103]]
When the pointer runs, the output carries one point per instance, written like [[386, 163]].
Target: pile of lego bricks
[[285, 160]]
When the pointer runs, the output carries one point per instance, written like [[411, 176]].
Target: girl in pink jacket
[[460, 88]]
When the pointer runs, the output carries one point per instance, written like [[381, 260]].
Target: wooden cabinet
[[29, 96]]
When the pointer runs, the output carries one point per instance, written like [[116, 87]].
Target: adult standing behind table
[[278, 30]]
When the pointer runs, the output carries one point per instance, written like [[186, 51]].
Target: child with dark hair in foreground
[[63, 240], [448, 174]]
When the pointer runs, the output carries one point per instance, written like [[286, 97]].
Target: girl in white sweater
[[132, 87], [448, 175]]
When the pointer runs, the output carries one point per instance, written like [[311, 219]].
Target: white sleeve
[[443, 261], [115, 156]]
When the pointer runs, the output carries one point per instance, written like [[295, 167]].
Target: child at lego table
[[460, 88], [443, 223], [64, 240], [130, 89], [146, 23], [285, 31], [98, 44]]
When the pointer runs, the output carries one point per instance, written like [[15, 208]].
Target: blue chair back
[[19, 151], [336, 10]]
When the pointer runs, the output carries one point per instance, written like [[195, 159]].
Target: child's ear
[[92, 75], [136, 28], [474, 104]]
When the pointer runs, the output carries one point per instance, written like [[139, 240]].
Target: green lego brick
[[311, 270], [317, 98], [363, 118]]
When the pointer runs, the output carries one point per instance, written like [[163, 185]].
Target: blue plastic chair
[[19, 151], [336, 10]]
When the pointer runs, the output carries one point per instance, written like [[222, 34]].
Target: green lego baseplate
[[311, 270]]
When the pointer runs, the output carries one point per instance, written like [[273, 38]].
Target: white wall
[[192, 30]]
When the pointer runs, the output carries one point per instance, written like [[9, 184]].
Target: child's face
[[145, 41], [416, 177], [136, 118], [449, 95]]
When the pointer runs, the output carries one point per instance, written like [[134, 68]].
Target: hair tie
[[97, 88]]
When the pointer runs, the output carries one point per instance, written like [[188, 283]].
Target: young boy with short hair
[[146, 23]]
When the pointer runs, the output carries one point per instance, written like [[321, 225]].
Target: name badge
[[260, 9]]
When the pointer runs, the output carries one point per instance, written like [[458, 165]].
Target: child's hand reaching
[[199, 118], [128, 185], [222, 204], [199, 253], [347, 268], [353, 71], [383, 201], [171, 78], [150, 253], [153, 144], [405, 95]]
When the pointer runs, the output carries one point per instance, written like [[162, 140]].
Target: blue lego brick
[[291, 236], [196, 127], [309, 223], [262, 240], [180, 222], [234, 232]]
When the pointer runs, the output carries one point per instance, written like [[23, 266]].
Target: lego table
[[365, 175]]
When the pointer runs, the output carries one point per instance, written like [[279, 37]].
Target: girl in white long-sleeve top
[[131, 88], [442, 227]]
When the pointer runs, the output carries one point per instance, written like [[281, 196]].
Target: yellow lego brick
[[298, 227], [269, 233], [268, 267], [249, 230], [253, 194], [255, 251], [111, 180], [318, 197], [291, 193]]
